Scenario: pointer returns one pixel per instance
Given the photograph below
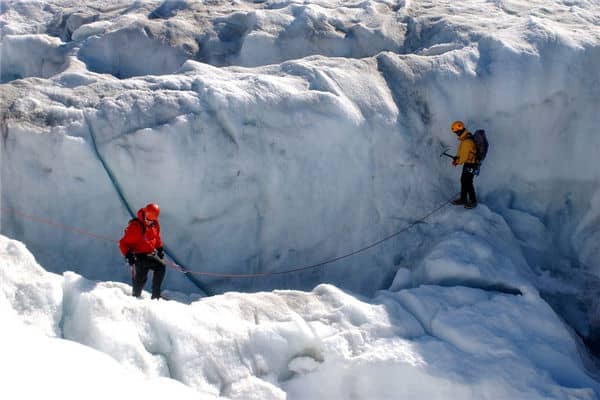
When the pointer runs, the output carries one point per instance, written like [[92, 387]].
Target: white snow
[[37, 366], [94, 28], [427, 342], [31, 56], [278, 134]]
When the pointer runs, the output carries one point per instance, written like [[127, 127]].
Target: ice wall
[[266, 168]]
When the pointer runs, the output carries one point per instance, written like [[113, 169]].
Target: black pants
[[467, 190], [144, 263]]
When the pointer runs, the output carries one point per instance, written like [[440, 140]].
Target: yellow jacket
[[466, 152]]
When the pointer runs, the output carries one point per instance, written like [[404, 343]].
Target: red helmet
[[151, 211]]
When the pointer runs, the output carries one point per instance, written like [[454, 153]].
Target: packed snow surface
[[429, 342], [279, 134]]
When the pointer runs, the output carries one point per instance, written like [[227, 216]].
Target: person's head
[[458, 127], [151, 212]]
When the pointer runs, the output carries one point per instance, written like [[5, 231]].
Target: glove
[[130, 258], [160, 253]]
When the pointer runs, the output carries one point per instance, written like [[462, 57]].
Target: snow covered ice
[[426, 342], [278, 134]]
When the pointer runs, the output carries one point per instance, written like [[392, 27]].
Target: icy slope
[[261, 169], [431, 342]]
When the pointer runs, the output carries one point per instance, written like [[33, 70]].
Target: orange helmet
[[151, 211], [457, 126]]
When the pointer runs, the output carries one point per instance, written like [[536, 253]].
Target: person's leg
[[471, 192], [158, 266], [467, 185], [140, 277], [464, 186]]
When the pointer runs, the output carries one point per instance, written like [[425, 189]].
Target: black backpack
[[481, 144]]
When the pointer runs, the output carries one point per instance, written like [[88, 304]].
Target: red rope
[[223, 275], [58, 225]]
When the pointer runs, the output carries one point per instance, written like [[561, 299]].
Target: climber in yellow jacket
[[466, 156]]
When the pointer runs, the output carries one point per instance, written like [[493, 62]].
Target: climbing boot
[[470, 205]]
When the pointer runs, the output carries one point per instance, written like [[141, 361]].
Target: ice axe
[[445, 153]]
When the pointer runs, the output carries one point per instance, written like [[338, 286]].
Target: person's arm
[[159, 243], [133, 235], [459, 158]]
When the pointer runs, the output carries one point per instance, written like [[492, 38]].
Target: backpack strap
[[139, 221]]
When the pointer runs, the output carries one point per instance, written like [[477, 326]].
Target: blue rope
[[119, 191]]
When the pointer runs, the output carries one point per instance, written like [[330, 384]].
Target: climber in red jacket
[[143, 248]]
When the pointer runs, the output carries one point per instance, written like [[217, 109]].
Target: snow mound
[[477, 250], [301, 30], [427, 342], [128, 52], [23, 56], [28, 292], [92, 29], [67, 370]]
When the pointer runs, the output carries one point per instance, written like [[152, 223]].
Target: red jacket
[[141, 237]]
